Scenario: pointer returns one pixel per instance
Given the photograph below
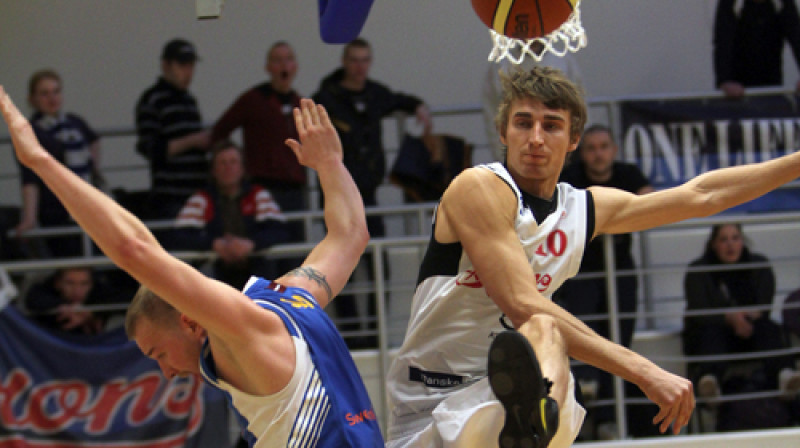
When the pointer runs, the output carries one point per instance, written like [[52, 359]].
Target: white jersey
[[453, 319], [276, 415]]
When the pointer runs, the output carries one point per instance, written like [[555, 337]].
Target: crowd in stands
[[231, 200], [222, 198]]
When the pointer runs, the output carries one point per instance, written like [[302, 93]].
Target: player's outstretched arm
[[705, 195], [478, 210], [328, 267], [125, 239]]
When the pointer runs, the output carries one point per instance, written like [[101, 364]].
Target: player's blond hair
[[146, 304], [549, 86]]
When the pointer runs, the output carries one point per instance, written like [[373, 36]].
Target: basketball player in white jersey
[[505, 237], [270, 347]]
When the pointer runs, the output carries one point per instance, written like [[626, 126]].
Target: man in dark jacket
[[748, 46], [356, 106], [232, 217], [170, 132]]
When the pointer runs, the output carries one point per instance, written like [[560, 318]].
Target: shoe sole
[[516, 380]]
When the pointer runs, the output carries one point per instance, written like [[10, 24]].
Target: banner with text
[[673, 141], [64, 391]]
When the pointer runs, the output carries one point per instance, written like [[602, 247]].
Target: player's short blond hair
[[146, 304], [549, 86]]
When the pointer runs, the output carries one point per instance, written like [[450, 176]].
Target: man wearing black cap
[[171, 134]]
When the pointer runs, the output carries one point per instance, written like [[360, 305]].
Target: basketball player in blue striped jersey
[[271, 347], [485, 360]]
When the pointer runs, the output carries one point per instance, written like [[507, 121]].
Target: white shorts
[[473, 418]]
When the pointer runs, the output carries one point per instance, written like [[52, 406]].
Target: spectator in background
[[232, 217], [597, 165], [264, 113], [748, 46], [58, 301], [170, 132], [71, 141], [356, 105], [733, 330]]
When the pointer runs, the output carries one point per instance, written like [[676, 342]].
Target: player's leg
[[544, 337], [531, 380]]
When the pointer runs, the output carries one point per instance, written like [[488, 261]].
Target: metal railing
[[383, 289]]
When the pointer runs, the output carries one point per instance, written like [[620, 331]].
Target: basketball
[[524, 19]]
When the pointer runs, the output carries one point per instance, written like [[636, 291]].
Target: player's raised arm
[[123, 237], [328, 267], [705, 195], [93, 210]]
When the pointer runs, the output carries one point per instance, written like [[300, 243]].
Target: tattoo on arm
[[314, 275]]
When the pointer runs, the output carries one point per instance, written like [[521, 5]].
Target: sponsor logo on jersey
[[298, 301], [435, 379], [469, 278], [361, 417]]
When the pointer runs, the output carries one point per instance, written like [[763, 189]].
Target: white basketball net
[[570, 36]]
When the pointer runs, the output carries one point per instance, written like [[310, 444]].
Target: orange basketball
[[524, 19]]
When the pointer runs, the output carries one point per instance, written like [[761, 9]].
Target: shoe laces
[[548, 385], [505, 324]]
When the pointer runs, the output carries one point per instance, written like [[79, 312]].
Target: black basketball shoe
[[517, 381]]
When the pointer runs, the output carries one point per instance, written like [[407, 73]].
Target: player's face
[[356, 64], [74, 285], [179, 74], [538, 140], [728, 244], [282, 67], [175, 347], [46, 97], [228, 169], [598, 152]]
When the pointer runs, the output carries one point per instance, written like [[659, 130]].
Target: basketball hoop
[[569, 37]]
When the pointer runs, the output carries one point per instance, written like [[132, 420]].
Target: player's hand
[[319, 143], [25, 143], [675, 398]]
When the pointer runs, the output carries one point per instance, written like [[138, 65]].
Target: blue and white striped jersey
[[325, 403]]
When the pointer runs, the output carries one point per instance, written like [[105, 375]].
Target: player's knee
[[543, 325]]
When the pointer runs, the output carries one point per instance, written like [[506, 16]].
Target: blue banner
[[673, 141], [63, 391]]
